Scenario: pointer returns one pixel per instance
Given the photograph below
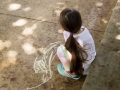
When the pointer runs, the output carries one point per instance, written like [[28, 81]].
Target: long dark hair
[[70, 21]]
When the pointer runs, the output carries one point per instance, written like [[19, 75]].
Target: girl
[[79, 50]]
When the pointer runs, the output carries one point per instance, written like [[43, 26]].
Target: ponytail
[[77, 55]]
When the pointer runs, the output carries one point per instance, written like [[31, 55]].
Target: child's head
[[70, 20]]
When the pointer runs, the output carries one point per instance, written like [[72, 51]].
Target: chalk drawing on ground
[[43, 65]]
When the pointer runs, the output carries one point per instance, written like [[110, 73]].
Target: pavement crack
[[37, 20], [96, 30]]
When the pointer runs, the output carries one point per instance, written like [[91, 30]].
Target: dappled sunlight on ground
[[119, 52], [105, 21], [118, 7], [118, 24], [41, 50], [28, 48], [5, 44], [57, 12], [29, 30], [19, 22], [41, 19], [118, 37], [60, 3], [59, 8], [12, 56], [4, 64], [32, 9], [1, 45], [20, 37], [99, 4], [14, 6], [27, 9], [9, 58], [60, 31]]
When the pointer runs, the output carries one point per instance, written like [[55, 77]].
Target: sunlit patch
[[76, 7], [7, 44], [118, 37], [57, 12], [19, 22], [99, 4], [27, 9], [14, 6], [105, 21], [60, 31], [20, 37], [4, 44], [1, 45], [60, 3], [119, 51], [28, 48], [51, 5], [3, 65], [12, 56], [41, 50], [118, 24], [41, 19], [29, 30], [117, 7], [12, 53]]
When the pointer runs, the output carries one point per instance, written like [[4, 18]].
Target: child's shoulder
[[84, 31]]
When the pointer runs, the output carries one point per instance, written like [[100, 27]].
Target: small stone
[[13, 79]]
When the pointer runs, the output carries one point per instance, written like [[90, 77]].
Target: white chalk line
[[42, 66]]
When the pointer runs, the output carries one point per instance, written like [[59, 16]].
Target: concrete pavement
[[105, 70], [26, 25]]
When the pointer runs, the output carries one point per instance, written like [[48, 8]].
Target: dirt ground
[[28, 25]]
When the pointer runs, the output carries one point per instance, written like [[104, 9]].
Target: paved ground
[[26, 25], [105, 69]]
